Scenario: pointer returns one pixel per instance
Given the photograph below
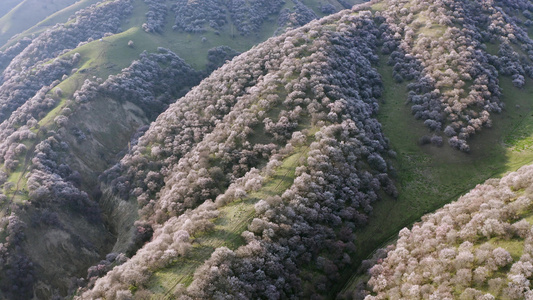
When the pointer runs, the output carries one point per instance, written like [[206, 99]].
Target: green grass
[[28, 13], [430, 177], [232, 221], [60, 16], [315, 5], [18, 192], [7, 5], [515, 247]]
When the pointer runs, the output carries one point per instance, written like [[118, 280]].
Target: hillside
[[476, 248], [202, 262], [74, 95], [8, 5], [142, 155], [26, 14]]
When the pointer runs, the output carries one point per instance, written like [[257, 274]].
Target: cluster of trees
[[327, 8], [169, 241], [296, 17], [193, 16], [152, 82], [52, 183], [89, 23], [248, 16], [156, 16], [200, 151], [18, 280], [479, 247], [7, 55], [442, 47], [218, 56]]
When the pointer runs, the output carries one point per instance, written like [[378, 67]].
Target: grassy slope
[[108, 56], [60, 16], [27, 14], [7, 5], [429, 177], [232, 221]]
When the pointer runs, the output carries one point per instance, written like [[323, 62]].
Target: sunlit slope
[[77, 120], [7, 5], [28, 13], [428, 172], [60, 16]]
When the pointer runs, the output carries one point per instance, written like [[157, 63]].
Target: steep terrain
[[278, 173], [26, 14], [66, 119], [476, 248], [164, 177]]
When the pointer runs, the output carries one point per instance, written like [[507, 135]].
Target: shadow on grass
[[429, 177]]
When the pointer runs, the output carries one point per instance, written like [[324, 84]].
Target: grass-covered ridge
[[430, 177], [27, 14], [232, 220]]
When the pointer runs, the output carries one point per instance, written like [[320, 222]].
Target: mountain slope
[[490, 157], [39, 25], [65, 121], [264, 178], [26, 14], [476, 248], [231, 146]]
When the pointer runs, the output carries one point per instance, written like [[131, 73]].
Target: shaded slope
[[58, 102], [26, 14], [491, 157], [301, 93]]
